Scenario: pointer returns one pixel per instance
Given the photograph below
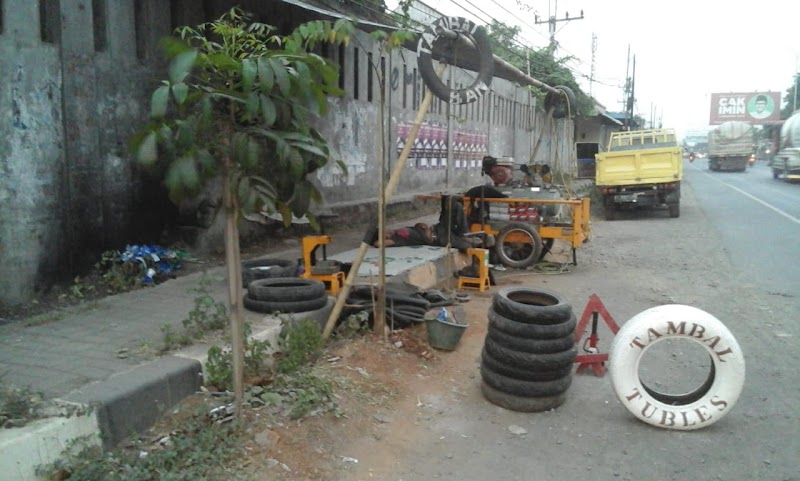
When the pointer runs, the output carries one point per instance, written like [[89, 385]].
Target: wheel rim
[[515, 248]]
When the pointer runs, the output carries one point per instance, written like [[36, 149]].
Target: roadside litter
[[147, 264]]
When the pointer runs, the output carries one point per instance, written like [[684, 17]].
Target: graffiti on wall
[[430, 147]]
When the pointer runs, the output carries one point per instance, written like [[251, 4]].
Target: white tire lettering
[[696, 410]]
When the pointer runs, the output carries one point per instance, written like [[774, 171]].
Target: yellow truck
[[640, 168]]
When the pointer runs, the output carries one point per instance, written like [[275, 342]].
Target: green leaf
[[206, 110], [223, 61], [297, 165], [173, 46], [330, 74], [253, 153], [249, 70], [159, 102], [185, 134], [283, 149], [286, 214], [181, 66], [379, 35], [180, 91], [148, 150], [207, 162], [268, 110], [264, 184], [312, 220], [281, 76], [342, 166], [265, 77], [182, 176], [310, 148], [189, 173], [301, 199], [252, 105], [243, 189]]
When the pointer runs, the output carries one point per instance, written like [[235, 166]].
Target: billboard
[[756, 108]]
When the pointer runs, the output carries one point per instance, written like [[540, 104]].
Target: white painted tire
[[697, 409]]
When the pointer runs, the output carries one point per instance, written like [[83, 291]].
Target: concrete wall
[[78, 87], [78, 90]]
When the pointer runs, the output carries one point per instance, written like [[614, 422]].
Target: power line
[[513, 53]]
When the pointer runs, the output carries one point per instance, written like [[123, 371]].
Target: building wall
[[69, 188]]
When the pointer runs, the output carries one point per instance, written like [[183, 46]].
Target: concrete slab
[[398, 259]]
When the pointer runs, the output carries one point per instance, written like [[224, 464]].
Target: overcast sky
[[685, 50]]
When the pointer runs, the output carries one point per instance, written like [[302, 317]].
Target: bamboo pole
[[387, 194]]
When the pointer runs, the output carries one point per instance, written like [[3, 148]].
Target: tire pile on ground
[[256, 269], [404, 307], [272, 286], [526, 363]]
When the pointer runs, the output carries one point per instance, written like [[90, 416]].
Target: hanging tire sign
[[688, 411], [479, 38]]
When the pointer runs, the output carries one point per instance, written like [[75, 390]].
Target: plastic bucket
[[444, 334]]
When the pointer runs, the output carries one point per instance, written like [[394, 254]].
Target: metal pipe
[[502, 68]]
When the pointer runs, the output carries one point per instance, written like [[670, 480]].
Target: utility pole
[[627, 89], [632, 96], [594, 51], [552, 25]]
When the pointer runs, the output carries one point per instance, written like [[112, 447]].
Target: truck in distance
[[641, 168]]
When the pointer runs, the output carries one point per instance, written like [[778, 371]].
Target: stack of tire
[[285, 295], [526, 363], [256, 269]]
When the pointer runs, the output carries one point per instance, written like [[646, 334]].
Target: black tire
[[368, 292], [674, 210], [532, 331], [285, 306], [485, 58], [522, 372], [521, 388], [532, 346], [543, 362], [564, 105], [522, 404], [610, 211], [281, 289], [531, 306], [518, 255], [266, 269]]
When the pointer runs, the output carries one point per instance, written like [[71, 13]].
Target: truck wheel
[[674, 210], [610, 211], [518, 246]]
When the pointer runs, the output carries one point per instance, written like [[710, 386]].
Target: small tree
[[237, 104]]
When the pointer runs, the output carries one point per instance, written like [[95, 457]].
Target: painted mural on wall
[[430, 147]]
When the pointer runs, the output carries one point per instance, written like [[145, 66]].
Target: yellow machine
[[523, 229], [323, 270]]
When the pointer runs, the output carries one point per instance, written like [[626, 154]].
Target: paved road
[[758, 220]]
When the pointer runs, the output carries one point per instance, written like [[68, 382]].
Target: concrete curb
[[132, 401]]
